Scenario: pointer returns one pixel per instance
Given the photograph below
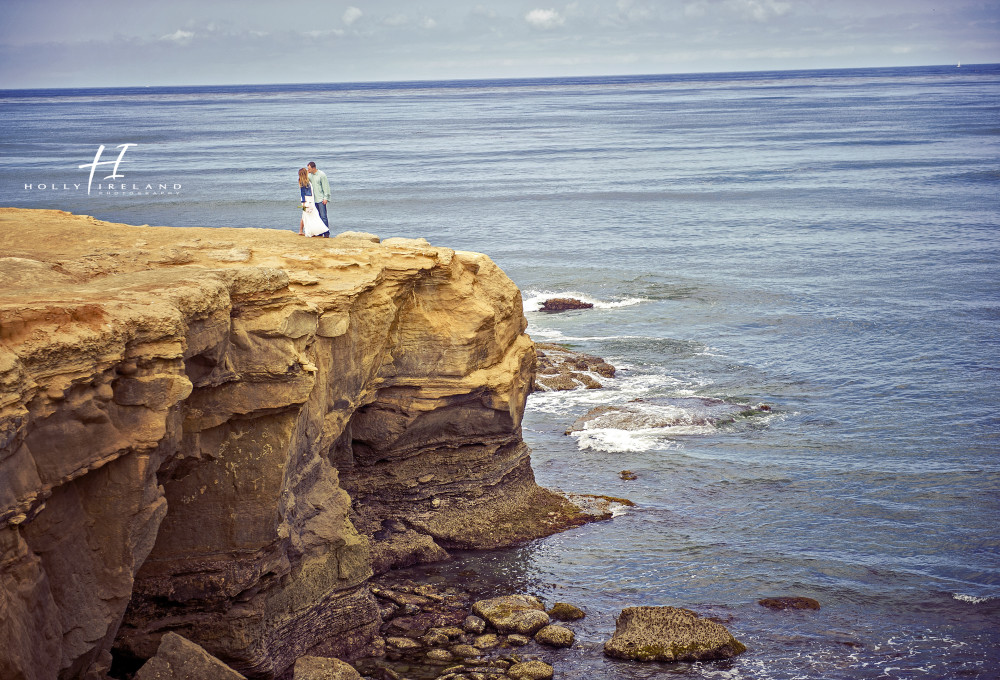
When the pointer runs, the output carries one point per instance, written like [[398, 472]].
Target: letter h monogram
[[97, 161]]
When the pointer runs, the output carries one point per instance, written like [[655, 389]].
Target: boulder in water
[[670, 634], [531, 670], [564, 304], [555, 636], [563, 611], [782, 603]]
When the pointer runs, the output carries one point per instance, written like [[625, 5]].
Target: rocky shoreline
[[218, 444], [224, 433]]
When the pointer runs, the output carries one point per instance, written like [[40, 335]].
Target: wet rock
[[180, 659], [669, 634], [521, 614], [413, 626], [781, 603], [564, 304], [516, 640], [474, 625], [531, 670], [399, 597], [487, 641], [560, 369], [321, 668], [561, 611], [555, 636], [434, 638], [600, 506], [440, 656], [402, 643], [451, 631], [680, 415], [465, 651], [628, 475]]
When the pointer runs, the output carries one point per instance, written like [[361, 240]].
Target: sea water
[[826, 243]]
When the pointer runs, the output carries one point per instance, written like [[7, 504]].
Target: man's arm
[[325, 188]]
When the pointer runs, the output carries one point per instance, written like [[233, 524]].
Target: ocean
[[826, 243]]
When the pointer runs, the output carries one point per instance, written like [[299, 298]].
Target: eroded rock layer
[[196, 423]]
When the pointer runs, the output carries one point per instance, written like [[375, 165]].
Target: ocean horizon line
[[502, 81]]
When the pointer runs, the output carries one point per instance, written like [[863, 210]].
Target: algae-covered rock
[[531, 670], [562, 611], [521, 614], [555, 636], [669, 634], [322, 668], [474, 625]]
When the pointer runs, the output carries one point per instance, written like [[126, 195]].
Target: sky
[[107, 43]]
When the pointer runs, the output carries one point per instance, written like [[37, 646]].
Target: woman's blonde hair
[[303, 177]]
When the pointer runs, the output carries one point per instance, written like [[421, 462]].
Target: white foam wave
[[612, 440], [534, 299], [971, 599], [619, 390], [548, 334]]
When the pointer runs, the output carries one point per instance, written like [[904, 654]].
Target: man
[[321, 193]]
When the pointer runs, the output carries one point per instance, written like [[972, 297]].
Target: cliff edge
[[223, 432]]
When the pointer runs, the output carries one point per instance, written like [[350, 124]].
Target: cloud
[[351, 14], [398, 19], [179, 36], [629, 10], [761, 10], [544, 18]]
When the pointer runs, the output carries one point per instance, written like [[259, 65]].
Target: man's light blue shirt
[[320, 186]]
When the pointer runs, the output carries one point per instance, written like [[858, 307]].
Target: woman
[[310, 224]]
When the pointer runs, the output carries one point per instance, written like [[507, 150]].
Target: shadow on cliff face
[[476, 491]]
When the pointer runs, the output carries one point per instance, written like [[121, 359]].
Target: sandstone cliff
[[220, 433]]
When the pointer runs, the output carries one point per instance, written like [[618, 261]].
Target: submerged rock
[[669, 634], [564, 304], [781, 603], [679, 415]]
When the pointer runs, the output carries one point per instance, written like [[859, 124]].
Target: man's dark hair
[[312, 164]]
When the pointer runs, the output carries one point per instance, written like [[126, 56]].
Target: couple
[[314, 189]]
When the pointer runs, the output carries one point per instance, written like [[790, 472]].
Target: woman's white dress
[[312, 225]]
